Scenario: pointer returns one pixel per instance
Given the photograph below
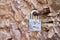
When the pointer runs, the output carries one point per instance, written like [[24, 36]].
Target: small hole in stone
[[50, 22], [10, 39]]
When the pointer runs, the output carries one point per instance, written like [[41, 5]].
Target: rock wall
[[14, 16]]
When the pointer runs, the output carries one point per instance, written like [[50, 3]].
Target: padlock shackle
[[38, 17], [31, 14], [34, 11]]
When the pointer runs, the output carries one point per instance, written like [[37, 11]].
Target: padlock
[[34, 25]]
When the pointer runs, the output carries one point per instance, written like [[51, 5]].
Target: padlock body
[[34, 25]]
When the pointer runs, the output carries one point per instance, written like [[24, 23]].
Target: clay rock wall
[[14, 16]]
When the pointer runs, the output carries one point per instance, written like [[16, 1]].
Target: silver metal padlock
[[34, 25]]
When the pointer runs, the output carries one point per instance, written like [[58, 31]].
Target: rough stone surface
[[14, 16]]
